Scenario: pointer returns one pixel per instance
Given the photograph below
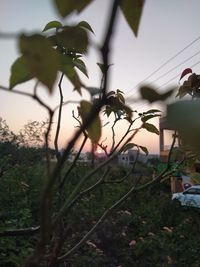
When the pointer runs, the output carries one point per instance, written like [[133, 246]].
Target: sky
[[166, 28]]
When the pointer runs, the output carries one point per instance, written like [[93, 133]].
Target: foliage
[[64, 203], [183, 115]]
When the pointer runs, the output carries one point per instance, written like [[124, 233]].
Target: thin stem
[[6, 89], [89, 189], [79, 185], [93, 229], [124, 136], [113, 133], [74, 162], [59, 117]]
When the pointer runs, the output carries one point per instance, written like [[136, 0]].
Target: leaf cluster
[[43, 56]]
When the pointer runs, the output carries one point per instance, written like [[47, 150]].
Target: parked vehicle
[[189, 197]]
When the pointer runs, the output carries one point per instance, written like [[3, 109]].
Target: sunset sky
[[166, 28]]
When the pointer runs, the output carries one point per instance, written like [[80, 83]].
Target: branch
[[45, 202], [93, 229], [113, 133], [66, 103], [106, 45], [6, 89], [74, 162], [20, 232], [89, 189], [59, 117], [124, 136], [79, 185]]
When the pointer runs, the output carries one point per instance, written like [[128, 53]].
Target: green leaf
[[73, 38], [144, 149], [94, 129], [152, 111], [108, 111], [66, 7], [150, 128], [110, 93], [40, 58], [152, 95], [148, 117], [102, 68], [81, 66], [67, 67], [132, 10], [19, 73], [85, 25], [128, 147], [51, 25]]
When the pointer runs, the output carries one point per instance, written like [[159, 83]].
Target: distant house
[[129, 157]]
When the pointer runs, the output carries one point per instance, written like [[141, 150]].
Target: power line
[[141, 106], [197, 63], [165, 63], [161, 76]]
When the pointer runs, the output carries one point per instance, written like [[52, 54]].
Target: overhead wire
[[142, 106], [165, 63], [169, 71]]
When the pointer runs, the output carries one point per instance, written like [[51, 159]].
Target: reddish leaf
[[185, 72]]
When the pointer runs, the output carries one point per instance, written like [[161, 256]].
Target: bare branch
[[20, 232], [6, 89]]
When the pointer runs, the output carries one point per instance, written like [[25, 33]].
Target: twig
[[93, 229], [59, 118], [89, 189], [20, 232], [6, 89], [74, 162]]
